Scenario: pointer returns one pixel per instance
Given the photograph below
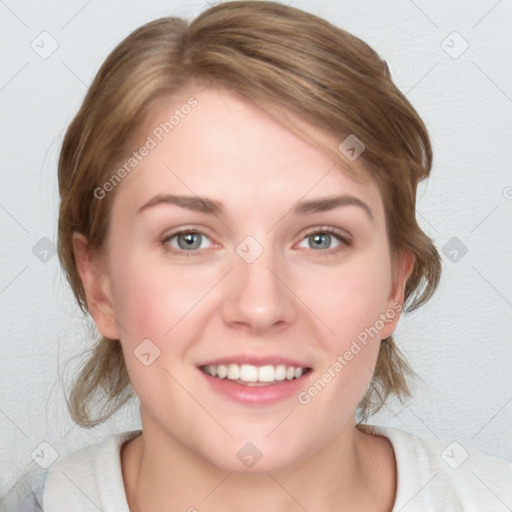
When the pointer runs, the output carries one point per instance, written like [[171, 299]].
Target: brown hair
[[282, 59]]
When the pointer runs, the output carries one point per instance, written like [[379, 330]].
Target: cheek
[[141, 305], [350, 298], [349, 301], [151, 299], [155, 303]]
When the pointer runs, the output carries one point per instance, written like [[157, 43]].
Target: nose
[[257, 297]]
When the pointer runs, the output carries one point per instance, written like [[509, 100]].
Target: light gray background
[[460, 343]]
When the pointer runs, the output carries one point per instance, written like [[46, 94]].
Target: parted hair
[[284, 60]]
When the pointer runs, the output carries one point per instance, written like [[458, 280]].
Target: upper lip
[[255, 361]]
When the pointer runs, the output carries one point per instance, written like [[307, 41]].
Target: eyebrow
[[210, 206], [329, 203], [195, 203]]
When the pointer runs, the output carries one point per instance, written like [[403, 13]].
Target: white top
[[433, 476]]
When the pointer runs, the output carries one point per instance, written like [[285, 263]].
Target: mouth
[[253, 375]]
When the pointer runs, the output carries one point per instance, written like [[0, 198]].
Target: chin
[[257, 454]]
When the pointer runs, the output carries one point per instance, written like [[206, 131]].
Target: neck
[[355, 471]]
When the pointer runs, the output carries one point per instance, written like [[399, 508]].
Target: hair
[[286, 61]]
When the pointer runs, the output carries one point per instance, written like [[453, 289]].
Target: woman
[[238, 217]]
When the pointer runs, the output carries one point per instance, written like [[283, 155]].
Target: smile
[[251, 375]]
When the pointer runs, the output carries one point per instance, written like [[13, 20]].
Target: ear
[[403, 268], [96, 284]]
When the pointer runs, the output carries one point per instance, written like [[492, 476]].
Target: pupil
[[322, 240], [191, 241]]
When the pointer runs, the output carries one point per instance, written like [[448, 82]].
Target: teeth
[[222, 371], [280, 372], [266, 374], [233, 372], [248, 373], [251, 373]]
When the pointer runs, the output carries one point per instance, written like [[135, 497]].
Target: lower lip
[[257, 395]]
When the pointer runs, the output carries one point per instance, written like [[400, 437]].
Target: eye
[[187, 240], [325, 239]]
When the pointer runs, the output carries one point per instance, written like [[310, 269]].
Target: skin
[[294, 301]]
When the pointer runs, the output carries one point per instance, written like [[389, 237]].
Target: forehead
[[214, 143]]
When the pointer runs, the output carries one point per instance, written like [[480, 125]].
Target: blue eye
[[325, 240], [321, 241], [187, 241]]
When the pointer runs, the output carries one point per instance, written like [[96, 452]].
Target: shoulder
[[446, 475], [26, 495], [89, 479]]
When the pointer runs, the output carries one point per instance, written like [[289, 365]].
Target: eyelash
[[181, 252], [344, 241]]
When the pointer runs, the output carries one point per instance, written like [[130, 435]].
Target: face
[[235, 246]]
